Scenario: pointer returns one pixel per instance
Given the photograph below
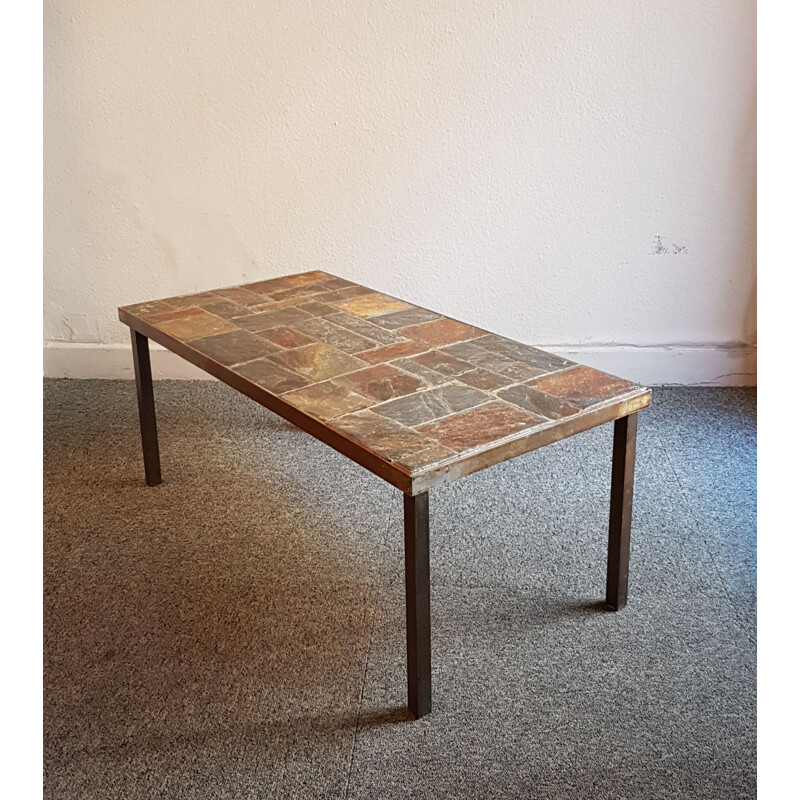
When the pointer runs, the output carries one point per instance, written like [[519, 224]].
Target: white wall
[[510, 163]]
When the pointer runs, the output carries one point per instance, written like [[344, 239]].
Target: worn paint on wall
[[509, 163]]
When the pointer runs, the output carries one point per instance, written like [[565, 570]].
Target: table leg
[[418, 604], [619, 527], [147, 408]]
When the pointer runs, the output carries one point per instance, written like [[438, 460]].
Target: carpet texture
[[238, 632]]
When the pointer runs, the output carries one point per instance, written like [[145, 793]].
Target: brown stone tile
[[321, 330], [429, 376], [271, 377], [479, 426], [409, 316], [305, 291], [150, 308], [541, 360], [226, 309], [442, 332], [273, 285], [483, 379], [583, 386], [416, 409], [317, 309], [364, 328], [286, 337], [339, 295], [392, 351], [327, 400], [233, 347], [371, 305], [426, 459], [539, 403], [382, 382], [195, 325], [240, 296], [317, 362], [332, 284], [443, 363], [382, 436], [189, 311], [272, 319]]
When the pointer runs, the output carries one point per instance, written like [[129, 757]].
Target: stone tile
[[409, 316], [483, 379], [270, 287], [382, 382], [421, 407], [342, 339], [271, 377], [186, 300], [583, 386], [441, 332], [364, 328], [371, 305], [327, 400], [479, 426], [545, 362], [348, 293], [225, 308], [333, 284], [427, 458], [382, 435], [431, 377], [195, 325], [443, 363], [305, 291], [151, 307], [241, 296], [317, 309], [391, 352], [539, 403], [179, 313], [317, 362], [233, 347], [272, 319], [286, 337]]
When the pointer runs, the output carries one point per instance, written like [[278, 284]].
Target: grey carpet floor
[[238, 632]]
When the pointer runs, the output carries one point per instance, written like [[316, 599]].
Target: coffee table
[[415, 397]]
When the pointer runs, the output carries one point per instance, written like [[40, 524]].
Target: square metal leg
[[619, 527], [418, 604], [147, 408]]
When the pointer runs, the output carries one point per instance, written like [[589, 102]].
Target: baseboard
[[651, 366]]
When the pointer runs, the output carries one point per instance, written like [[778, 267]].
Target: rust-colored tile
[[150, 308], [382, 382], [483, 379], [271, 377], [305, 291], [409, 316], [442, 332], [332, 284], [443, 363], [479, 426], [189, 311], [327, 400], [317, 362], [241, 296], [286, 337], [317, 309], [364, 328], [420, 407], [321, 330], [382, 436], [195, 325], [233, 347], [348, 293], [539, 403], [226, 309], [583, 386], [273, 285], [272, 319], [393, 351], [542, 361], [371, 305]]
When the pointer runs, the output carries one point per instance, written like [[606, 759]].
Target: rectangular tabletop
[[414, 396]]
